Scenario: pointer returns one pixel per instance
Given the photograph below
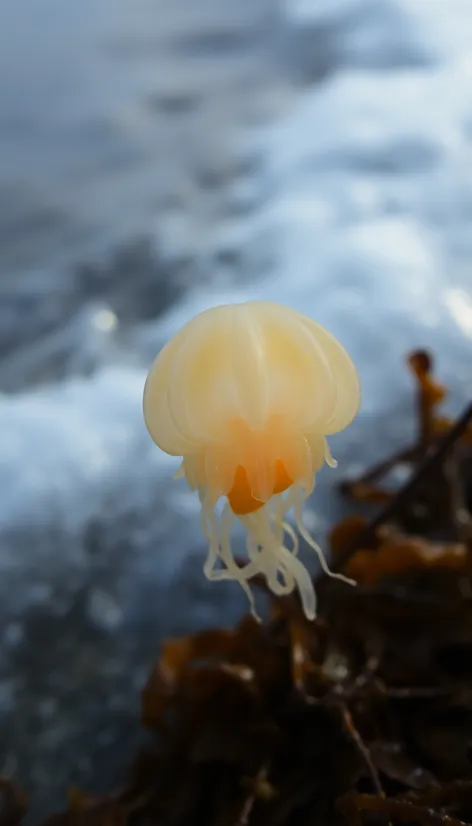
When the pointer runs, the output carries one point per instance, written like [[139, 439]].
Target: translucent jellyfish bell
[[246, 394]]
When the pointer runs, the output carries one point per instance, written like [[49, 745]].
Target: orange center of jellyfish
[[240, 497], [257, 443]]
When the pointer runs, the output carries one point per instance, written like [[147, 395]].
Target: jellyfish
[[246, 395]]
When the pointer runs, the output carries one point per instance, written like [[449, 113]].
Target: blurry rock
[[66, 324], [324, 36], [136, 284]]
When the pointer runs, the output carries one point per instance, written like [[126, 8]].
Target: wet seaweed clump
[[362, 716]]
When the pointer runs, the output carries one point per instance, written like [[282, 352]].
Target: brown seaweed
[[361, 717]]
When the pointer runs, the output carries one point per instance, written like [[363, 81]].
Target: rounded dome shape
[[248, 362], [247, 394]]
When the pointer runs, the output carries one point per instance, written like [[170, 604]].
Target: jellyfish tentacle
[[263, 560], [297, 510], [293, 536], [234, 570], [269, 564], [280, 557], [254, 547], [279, 525], [211, 533], [329, 458], [269, 561], [215, 552], [228, 518], [212, 536], [276, 586], [302, 579], [277, 513]]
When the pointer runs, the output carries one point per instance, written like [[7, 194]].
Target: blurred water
[[100, 103], [152, 164]]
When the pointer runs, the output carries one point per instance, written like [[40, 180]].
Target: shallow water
[[152, 165]]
